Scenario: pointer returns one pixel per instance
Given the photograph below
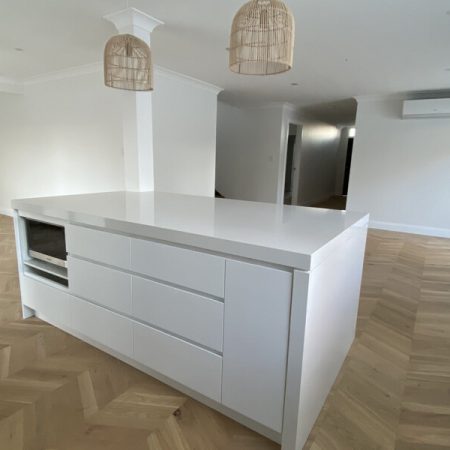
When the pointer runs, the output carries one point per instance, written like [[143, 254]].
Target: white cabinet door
[[102, 326], [186, 268], [101, 246], [192, 366], [257, 309], [189, 315]]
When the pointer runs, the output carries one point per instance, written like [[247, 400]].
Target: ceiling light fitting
[[262, 38], [128, 63]]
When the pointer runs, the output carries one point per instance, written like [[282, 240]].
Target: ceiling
[[343, 49]]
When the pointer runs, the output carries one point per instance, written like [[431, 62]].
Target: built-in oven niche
[[46, 254]]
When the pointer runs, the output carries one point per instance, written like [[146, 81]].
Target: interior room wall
[[251, 153], [248, 152], [318, 153], [60, 137], [63, 135], [400, 169], [184, 134]]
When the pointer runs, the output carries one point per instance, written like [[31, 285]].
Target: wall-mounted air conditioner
[[428, 108]]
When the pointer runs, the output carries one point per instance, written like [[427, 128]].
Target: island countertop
[[291, 236]]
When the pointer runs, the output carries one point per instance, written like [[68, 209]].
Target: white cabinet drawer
[[195, 270], [104, 286], [51, 304], [192, 316], [178, 360], [102, 326], [107, 248]]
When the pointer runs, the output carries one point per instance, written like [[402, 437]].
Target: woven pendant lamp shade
[[262, 38], [128, 64]]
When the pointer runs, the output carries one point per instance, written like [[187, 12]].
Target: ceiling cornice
[[17, 86], [186, 78], [64, 73]]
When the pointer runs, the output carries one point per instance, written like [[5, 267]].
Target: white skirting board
[[413, 229]]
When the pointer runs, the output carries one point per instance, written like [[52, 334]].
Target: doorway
[[348, 163], [292, 165]]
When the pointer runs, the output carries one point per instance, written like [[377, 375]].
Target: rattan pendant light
[[128, 64], [262, 38]]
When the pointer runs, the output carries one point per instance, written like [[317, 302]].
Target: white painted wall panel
[[400, 169], [248, 152], [60, 137], [184, 140], [251, 154], [64, 136], [318, 157]]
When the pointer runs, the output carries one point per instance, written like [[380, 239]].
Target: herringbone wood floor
[[57, 393]]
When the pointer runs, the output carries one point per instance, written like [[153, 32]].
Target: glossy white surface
[[109, 248], [186, 268], [179, 360], [103, 326], [188, 315], [285, 235], [257, 309], [322, 328], [51, 303], [102, 285]]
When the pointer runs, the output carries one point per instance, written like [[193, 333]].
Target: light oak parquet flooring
[[57, 393]]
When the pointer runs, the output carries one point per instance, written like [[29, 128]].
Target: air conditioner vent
[[428, 108]]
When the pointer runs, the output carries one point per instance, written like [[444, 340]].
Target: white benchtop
[[290, 236]]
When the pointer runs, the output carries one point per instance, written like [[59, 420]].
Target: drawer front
[[185, 363], [104, 286], [52, 304], [194, 270], [107, 248], [192, 316], [102, 326]]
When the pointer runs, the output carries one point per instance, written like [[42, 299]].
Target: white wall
[[184, 133], [401, 169], [248, 152], [251, 154], [318, 153], [64, 136], [60, 137]]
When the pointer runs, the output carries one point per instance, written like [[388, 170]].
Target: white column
[[137, 119]]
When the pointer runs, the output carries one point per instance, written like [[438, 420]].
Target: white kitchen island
[[248, 307]]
